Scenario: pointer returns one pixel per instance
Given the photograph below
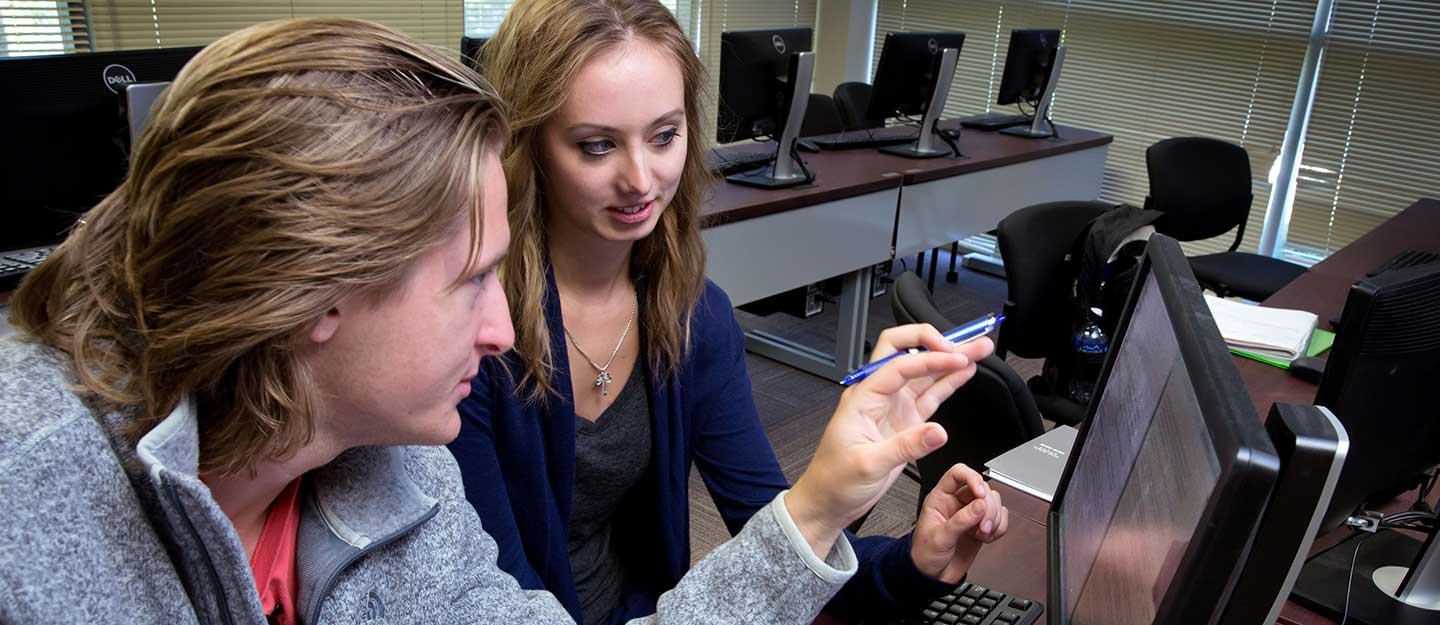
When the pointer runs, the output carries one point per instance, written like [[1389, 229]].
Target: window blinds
[[1373, 143], [29, 27]]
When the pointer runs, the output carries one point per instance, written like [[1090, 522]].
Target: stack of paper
[[1272, 332], [1035, 467]]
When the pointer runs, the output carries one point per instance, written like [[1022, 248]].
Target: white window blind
[[1373, 142], [128, 24], [30, 27]]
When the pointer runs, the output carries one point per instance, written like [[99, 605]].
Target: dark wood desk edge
[[965, 166], [793, 202]]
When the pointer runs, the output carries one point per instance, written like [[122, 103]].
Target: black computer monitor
[[1379, 381], [756, 81], [470, 50], [906, 75], [66, 140], [1313, 446], [1027, 65], [1166, 484]]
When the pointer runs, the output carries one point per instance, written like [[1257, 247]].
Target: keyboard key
[[975, 592], [986, 603], [938, 606], [1007, 617], [979, 611], [956, 609], [1020, 604], [994, 594], [929, 615], [949, 619], [971, 620], [965, 601]]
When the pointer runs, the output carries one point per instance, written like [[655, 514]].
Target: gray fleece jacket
[[96, 530]]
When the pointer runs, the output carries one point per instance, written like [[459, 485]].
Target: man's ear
[[326, 326]]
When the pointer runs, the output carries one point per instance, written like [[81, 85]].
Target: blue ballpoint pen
[[963, 334]]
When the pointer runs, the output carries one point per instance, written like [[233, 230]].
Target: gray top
[[97, 529], [611, 454]]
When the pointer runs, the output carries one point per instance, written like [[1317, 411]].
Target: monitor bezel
[[1248, 462]]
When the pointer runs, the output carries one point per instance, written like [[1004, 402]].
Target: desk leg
[[849, 335]]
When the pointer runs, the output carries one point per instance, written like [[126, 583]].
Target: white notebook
[[1275, 332], [1035, 467]]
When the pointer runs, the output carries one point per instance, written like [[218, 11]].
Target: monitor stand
[[786, 172], [1384, 590], [924, 146], [1039, 128]]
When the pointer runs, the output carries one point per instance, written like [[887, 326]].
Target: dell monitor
[[1032, 70], [1312, 445], [1169, 476], [470, 48], [765, 80], [1380, 382], [913, 78], [67, 138]]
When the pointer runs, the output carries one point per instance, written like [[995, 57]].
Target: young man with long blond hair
[[226, 397]]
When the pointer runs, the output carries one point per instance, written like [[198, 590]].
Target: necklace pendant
[[603, 381]]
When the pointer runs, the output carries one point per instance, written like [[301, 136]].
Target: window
[[30, 27], [129, 24], [1373, 142]]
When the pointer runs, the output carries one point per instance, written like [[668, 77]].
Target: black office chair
[[821, 117], [1040, 309], [852, 98], [1203, 187], [993, 413]]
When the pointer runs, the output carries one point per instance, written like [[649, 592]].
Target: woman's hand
[[879, 426], [959, 516]]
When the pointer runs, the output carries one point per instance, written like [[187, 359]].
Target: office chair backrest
[[852, 98], [821, 117], [1034, 242], [991, 414], [1202, 185]]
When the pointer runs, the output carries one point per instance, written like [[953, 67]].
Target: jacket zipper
[[329, 584], [205, 552]]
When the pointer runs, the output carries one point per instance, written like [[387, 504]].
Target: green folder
[[1320, 340]]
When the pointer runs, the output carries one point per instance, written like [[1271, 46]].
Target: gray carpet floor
[[795, 406]]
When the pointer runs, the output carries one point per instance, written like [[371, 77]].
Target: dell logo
[[779, 44], [934, 46], [117, 77]]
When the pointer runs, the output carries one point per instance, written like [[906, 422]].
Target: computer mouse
[[807, 145]]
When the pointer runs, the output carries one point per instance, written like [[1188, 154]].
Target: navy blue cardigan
[[518, 462]]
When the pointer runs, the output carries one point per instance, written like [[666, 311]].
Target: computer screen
[[905, 77], [1164, 489], [67, 137], [1027, 65], [755, 67]]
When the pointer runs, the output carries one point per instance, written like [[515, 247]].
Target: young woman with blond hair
[[226, 397], [629, 367]]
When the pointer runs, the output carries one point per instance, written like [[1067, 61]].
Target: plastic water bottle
[[1091, 344]]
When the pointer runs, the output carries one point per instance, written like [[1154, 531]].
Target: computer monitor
[[470, 50], [67, 136], [1379, 381], [913, 78], [1032, 70], [1169, 476], [139, 99], [1312, 445], [765, 80]]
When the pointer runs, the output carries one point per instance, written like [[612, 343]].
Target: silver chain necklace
[[603, 380]]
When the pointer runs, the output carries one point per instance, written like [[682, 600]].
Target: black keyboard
[[995, 121], [862, 139], [15, 264], [973, 604], [727, 161], [1405, 260]]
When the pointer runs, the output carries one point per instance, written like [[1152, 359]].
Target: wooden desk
[[1018, 563], [862, 206]]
